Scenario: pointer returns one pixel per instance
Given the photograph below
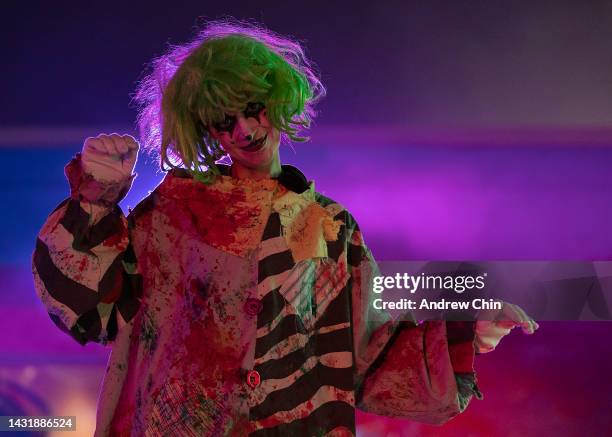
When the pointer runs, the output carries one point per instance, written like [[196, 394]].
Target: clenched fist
[[109, 158]]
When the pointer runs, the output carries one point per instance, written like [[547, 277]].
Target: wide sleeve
[[404, 369], [85, 271]]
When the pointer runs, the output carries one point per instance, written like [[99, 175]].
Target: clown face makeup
[[250, 139]]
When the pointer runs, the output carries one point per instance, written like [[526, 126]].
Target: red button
[[253, 306], [253, 379]]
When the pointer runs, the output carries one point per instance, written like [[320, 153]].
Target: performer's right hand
[[109, 158]]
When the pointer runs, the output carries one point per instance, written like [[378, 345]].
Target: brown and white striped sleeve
[[404, 369], [83, 265]]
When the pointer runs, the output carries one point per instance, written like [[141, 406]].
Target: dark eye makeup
[[253, 109], [227, 125]]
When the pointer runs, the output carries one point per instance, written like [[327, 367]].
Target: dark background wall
[[473, 62], [466, 130]]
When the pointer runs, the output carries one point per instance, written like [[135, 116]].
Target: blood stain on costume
[[117, 239], [83, 264]]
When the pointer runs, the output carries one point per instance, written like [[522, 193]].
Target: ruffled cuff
[[466, 389], [84, 187]]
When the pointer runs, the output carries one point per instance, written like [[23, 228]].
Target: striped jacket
[[237, 308]]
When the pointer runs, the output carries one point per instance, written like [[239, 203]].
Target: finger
[[108, 144], [523, 315], [130, 141], [507, 314], [527, 328], [531, 327], [120, 145], [507, 324], [94, 144], [515, 313], [528, 325]]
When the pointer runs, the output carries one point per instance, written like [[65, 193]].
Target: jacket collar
[[290, 177]]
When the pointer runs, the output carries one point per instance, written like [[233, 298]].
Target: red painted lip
[[256, 145]]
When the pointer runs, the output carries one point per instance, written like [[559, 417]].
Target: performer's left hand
[[512, 315], [492, 325]]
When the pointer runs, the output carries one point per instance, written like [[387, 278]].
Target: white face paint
[[249, 138]]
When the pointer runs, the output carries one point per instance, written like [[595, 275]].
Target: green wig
[[228, 64]]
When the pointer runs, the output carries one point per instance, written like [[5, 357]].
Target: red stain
[[204, 340], [341, 432], [218, 219], [218, 216], [384, 395], [83, 264], [118, 240], [270, 422], [242, 427]]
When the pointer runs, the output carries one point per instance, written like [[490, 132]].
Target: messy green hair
[[228, 64]]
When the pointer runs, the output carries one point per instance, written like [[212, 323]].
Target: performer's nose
[[245, 129]]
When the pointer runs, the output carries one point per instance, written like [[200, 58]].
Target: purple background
[[452, 130]]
